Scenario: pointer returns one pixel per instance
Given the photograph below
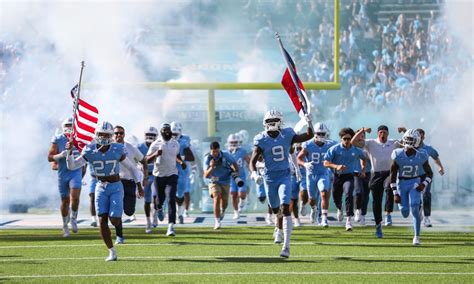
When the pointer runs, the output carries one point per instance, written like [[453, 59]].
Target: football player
[[184, 181], [317, 176], [69, 181], [274, 144], [150, 136], [348, 162], [406, 165], [431, 152], [238, 194], [106, 158]]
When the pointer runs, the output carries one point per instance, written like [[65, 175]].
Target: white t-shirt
[[380, 153], [165, 164], [134, 156]]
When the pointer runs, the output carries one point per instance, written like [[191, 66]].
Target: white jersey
[[380, 153], [134, 156], [165, 164]]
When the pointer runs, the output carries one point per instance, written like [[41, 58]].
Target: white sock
[[65, 221], [112, 250], [74, 215], [170, 225], [94, 219], [218, 220], [148, 221], [287, 228], [324, 211]]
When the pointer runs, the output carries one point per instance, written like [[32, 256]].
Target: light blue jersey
[[275, 151], [104, 164], [349, 157], [221, 174], [315, 154], [63, 172], [430, 151], [409, 166], [108, 196], [143, 148], [239, 156], [276, 155]]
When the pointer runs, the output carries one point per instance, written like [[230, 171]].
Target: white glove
[[308, 118], [308, 166], [256, 177]]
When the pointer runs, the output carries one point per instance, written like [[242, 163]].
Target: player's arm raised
[[72, 163], [300, 138]]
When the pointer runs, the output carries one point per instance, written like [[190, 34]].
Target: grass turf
[[238, 254]]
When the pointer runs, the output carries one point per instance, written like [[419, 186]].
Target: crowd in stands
[[396, 63]]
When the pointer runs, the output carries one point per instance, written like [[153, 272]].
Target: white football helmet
[[321, 132], [176, 128], [151, 134], [244, 136], [411, 139], [232, 142], [104, 133], [273, 120], [67, 125]]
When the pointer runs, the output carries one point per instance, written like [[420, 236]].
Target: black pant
[[365, 192], [344, 184], [378, 183], [426, 198], [129, 196], [166, 188]]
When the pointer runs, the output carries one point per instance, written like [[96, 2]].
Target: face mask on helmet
[[176, 129], [67, 125], [232, 142], [320, 136], [151, 134], [411, 139], [273, 120], [104, 133]]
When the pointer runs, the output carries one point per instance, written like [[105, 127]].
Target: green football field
[[238, 254]]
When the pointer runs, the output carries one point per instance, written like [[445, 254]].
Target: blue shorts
[[93, 184], [65, 185], [278, 188], [322, 182], [148, 188], [409, 196], [295, 187], [184, 184], [109, 199]]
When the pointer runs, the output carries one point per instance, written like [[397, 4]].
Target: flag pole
[[76, 100], [304, 107]]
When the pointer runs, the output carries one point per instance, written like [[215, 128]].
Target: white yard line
[[381, 243], [234, 256], [283, 273]]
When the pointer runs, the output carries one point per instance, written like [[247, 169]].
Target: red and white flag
[[86, 117]]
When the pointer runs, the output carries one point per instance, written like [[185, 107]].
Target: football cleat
[[427, 222], [303, 210], [119, 240], [155, 219], [362, 220], [378, 231], [161, 215], [217, 225], [388, 220], [186, 213], [66, 231], [180, 219], [312, 215], [285, 252], [170, 232], [112, 256], [74, 226], [416, 241], [268, 219], [236, 215], [297, 222], [278, 235], [357, 215], [324, 222], [348, 224], [339, 215]]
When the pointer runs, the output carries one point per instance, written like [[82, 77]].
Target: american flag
[[85, 121]]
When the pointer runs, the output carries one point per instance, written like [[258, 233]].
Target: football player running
[[274, 144], [150, 136], [241, 157], [69, 181], [184, 181], [317, 176], [406, 165], [106, 158]]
